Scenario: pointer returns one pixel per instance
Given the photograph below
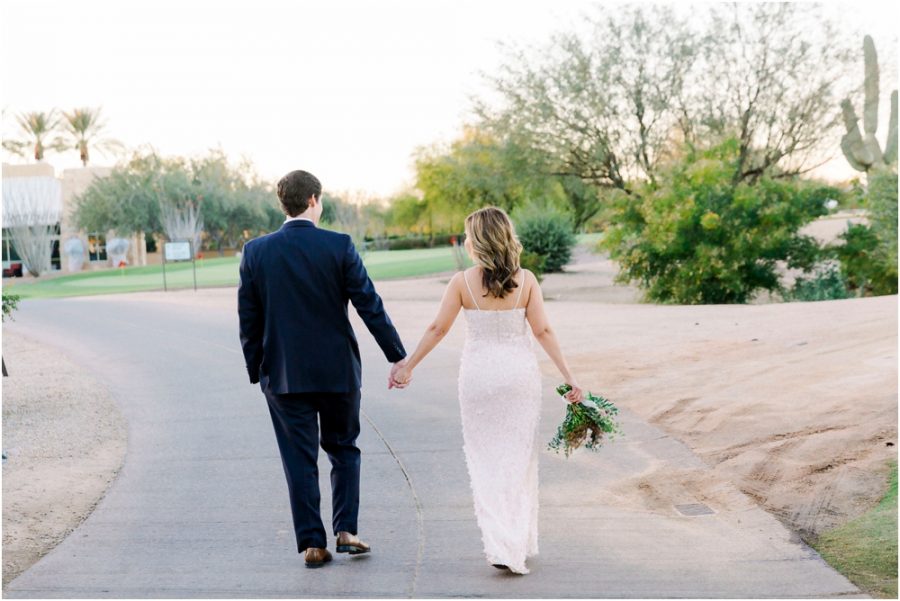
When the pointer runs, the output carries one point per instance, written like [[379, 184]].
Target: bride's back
[[480, 299]]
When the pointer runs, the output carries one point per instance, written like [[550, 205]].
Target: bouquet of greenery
[[585, 424]]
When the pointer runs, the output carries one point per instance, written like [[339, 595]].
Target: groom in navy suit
[[300, 347]]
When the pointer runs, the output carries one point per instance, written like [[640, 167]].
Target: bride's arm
[[544, 334], [450, 306]]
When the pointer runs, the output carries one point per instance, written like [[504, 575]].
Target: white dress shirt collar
[[299, 219]]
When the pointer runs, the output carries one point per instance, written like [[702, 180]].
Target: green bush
[[881, 201], [546, 231], [854, 196], [825, 283], [699, 236], [409, 242], [446, 239], [863, 262], [534, 263], [10, 304]]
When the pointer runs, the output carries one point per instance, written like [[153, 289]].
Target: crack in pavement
[[420, 524]]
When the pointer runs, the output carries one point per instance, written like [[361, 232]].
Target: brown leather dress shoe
[[316, 558], [350, 543]]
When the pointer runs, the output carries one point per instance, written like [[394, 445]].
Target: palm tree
[[37, 126], [84, 127]]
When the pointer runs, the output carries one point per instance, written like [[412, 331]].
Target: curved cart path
[[200, 508]]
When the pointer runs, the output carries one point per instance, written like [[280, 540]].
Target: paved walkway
[[200, 508]]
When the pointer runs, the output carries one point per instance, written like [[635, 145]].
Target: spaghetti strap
[[470, 291], [521, 290]]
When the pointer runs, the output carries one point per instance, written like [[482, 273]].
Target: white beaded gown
[[499, 399]]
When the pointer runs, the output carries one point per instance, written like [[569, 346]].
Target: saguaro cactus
[[863, 151]]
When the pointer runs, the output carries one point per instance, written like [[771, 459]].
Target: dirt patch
[[65, 441], [795, 404]]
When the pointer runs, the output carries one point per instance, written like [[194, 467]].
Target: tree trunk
[[140, 248]]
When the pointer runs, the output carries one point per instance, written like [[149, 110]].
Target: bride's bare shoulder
[[529, 282], [457, 282], [530, 278]]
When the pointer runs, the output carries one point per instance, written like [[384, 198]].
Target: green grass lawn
[[211, 272], [865, 549]]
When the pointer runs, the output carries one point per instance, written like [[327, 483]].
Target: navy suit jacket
[[292, 306]]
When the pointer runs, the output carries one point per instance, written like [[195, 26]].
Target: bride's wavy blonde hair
[[495, 248]]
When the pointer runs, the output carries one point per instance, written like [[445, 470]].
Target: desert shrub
[[881, 201], [826, 282], [863, 261], [698, 236], [546, 231]]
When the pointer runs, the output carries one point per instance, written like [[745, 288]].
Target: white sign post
[[175, 252]]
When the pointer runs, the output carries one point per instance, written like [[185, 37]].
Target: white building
[[71, 183]]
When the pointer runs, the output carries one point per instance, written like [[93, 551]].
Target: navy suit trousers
[[302, 422]]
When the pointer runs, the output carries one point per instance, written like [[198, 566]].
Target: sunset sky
[[344, 89]]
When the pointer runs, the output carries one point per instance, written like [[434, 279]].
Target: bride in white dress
[[499, 384]]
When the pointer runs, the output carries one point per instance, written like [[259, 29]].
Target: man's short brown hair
[[294, 190]]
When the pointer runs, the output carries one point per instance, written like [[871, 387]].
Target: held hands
[[401, 375]]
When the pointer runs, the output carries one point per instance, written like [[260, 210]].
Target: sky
[[344, 89]]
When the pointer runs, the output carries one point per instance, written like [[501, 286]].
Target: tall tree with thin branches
[[611, 105], [31, 212]]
